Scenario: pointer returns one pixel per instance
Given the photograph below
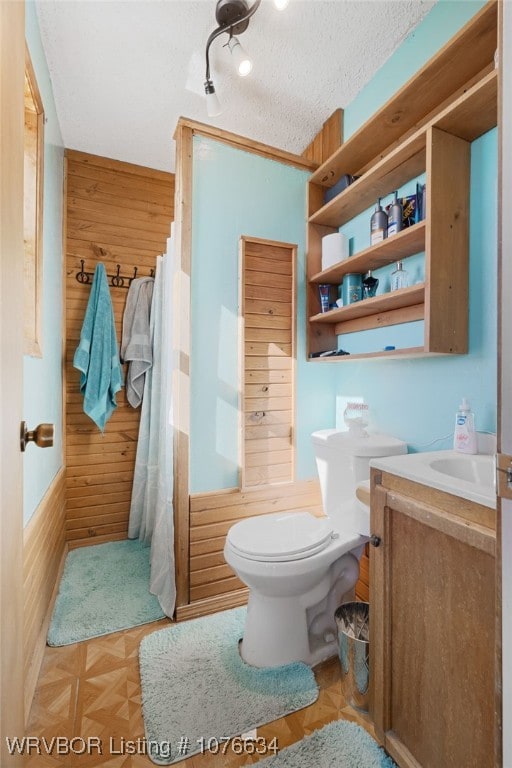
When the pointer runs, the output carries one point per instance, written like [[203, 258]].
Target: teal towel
[[97, 355]]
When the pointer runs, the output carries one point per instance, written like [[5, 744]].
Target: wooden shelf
[[406, 243], [475, 112], [428, 126], [385, 302], [460, 60], [390, 354], [403, 164]]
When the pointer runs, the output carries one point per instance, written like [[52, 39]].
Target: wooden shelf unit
[[405, 243], [426, 127]]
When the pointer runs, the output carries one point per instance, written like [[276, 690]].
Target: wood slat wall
[[44, 548], [211, 516], [116, 213], [268, 375], [327, 140]]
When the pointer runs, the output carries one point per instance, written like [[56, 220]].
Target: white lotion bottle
[[464, 438]]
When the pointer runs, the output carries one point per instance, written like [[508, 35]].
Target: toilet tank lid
[[372, 445]]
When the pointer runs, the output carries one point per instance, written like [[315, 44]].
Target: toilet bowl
[[300, 567]]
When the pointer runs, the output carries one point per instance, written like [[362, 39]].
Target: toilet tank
[[343, 461]]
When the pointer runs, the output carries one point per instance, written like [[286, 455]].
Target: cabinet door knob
[[375, 540]]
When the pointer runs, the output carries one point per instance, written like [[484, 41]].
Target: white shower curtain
[[151, 511]]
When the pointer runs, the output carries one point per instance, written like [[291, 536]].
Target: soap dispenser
[[464, 437]]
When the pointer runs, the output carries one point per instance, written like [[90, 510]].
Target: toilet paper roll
[[334, 249]]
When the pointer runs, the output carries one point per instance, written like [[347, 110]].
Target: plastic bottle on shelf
[[395, 216], [378, 224]]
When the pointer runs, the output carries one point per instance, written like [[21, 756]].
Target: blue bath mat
[[338, 745], [195, 686], [104, 588]]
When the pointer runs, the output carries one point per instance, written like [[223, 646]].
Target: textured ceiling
[[124, 71]]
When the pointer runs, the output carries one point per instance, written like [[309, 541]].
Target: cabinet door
[[432, 635]]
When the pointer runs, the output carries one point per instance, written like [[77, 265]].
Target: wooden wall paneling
[[213, 514], [328, 139], [44, 549], [116, 213], [267, 446]]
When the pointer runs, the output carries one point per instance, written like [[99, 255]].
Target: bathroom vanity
[[432, 594]]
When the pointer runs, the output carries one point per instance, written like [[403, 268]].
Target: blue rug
[[338, 745], [195, 686], [104, 588]]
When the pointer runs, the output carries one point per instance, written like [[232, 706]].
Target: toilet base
[[282, 630]]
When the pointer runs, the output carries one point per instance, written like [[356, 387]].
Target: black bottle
[[370, 285], [378, 224]]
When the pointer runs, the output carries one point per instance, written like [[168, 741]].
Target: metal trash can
[[352, 622]]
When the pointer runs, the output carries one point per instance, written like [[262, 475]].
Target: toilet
[[299, 567]]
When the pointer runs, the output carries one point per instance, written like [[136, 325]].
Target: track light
[[213, 107], [232, 17], [242, 61]]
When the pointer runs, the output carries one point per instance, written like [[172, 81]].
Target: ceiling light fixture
[[232, 17], [243, 63]]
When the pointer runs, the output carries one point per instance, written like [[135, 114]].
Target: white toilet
[[298, 567]]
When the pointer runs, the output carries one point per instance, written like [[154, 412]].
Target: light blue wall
[[42, 394], [443, 21], [416, 399], [238, 193]]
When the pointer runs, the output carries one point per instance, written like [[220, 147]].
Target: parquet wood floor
[[92, 689]]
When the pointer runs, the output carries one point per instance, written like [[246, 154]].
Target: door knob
[[375, 540], [42, 435]]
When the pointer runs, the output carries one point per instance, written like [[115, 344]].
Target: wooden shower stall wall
[[116, 213]]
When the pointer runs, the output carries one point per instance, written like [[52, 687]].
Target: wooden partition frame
[[185, 131]]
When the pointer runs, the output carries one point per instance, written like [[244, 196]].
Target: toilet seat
[[281, 537]]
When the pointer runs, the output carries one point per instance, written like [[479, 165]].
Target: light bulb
[[242, 61], [281, 4], [213, 106]]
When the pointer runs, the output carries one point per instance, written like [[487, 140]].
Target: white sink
[[471, 469], [464, 475]]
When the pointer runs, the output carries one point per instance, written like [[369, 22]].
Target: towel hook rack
[[116, 281]]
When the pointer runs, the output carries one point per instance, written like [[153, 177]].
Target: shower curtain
[[151, 511]]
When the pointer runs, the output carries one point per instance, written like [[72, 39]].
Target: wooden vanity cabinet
[[432, 633]]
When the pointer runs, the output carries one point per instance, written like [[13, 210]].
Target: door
[[267, 309], [12, 73], [505, 384]]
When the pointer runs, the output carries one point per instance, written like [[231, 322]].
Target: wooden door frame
[[12, 74], [293, 247], [185, 131], [503, 666]]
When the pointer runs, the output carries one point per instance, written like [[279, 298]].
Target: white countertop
[[471, 477]]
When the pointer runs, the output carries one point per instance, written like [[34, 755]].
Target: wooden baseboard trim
[[34, 668], [212, 605]]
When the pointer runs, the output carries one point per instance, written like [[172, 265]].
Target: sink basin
[[471, 469], [464, 475]]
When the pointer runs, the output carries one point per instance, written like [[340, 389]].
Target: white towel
[[136, 342]]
